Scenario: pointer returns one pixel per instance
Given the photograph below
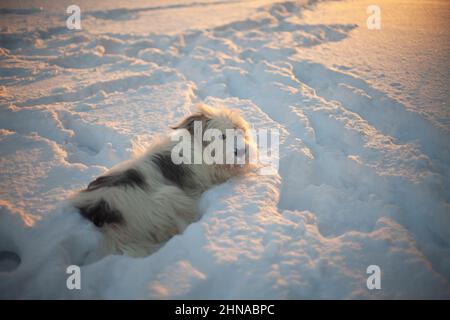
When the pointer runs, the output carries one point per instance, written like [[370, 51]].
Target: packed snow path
[[363, 180]]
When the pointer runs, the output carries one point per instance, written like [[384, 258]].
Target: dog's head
[[224, 137]]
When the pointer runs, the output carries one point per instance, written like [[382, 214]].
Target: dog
[[142, 203]]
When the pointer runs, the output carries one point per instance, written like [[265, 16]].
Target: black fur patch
[[130, 177], [101, 213], [176, 173]]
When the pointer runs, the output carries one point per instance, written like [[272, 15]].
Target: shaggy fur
[[142, 203]]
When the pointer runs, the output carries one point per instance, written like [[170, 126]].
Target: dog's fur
[[142, 203]]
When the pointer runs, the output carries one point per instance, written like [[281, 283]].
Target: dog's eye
[[223, 136]]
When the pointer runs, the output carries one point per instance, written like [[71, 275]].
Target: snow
[[364, 154]]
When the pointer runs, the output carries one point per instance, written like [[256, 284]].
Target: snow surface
[[364, 156]]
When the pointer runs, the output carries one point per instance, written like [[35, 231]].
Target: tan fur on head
[[142, 203], [206, 113]]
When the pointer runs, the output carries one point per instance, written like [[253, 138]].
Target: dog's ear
[[188, 122]]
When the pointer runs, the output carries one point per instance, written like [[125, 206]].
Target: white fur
[[154, 215]]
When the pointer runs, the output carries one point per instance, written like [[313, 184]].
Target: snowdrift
[[363, 180]]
